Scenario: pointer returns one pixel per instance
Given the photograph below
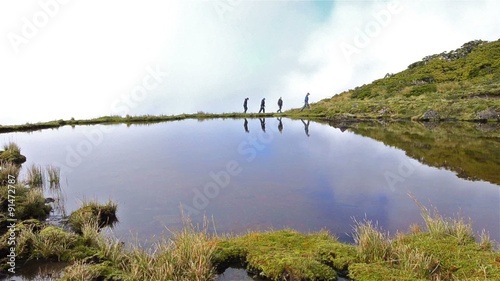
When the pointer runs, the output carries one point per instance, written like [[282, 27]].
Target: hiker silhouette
[[280, 104], [306, 102], [245, 105], [263, 105]]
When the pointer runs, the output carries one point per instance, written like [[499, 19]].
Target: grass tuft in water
[[54, 174], [35, 176], [103, 214], [12, 153]]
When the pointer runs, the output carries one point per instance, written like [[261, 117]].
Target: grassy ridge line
[[458, 85]]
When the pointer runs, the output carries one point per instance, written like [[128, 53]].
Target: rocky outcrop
[[430, 115], [488, 114]]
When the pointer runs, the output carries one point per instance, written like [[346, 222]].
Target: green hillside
[[463, 84]]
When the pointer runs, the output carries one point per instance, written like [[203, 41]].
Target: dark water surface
[[309, 176]]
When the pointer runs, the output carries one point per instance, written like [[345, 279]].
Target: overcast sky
[[84, 59]]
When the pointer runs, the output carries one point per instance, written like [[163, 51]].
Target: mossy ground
[[442, 258], [414, 256], [286, 254]]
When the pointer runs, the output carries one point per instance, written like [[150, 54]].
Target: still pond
[[263, 174]]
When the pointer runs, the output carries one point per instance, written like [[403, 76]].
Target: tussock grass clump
[[24, 233], [8, 169], [485, 242], [103, 214], [35, 176], [12, 153], [90, 232], [111, 249], [439, 226], [413, 260], [446, 251], [30, 203], [52, 242], [372, 244], [187, 256], [80, 271]]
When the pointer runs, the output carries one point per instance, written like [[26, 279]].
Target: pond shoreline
[[151, 119], [446, 248]]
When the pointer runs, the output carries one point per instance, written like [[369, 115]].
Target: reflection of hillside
[[472, 150]]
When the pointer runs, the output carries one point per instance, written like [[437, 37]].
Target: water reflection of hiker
[[245, 105], [306, 102], [263, 105], [280, 104], [306, 126], [263, 124], [245, 125], [280, 125]]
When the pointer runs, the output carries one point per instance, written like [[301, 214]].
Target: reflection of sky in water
[[287, 179]]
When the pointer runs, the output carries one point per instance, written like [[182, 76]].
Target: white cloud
[[361, 43], [87, 55], [91, 53]]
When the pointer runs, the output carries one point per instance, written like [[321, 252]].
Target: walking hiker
[[280, 104], [306, 102], [245, 105], [263, 105]]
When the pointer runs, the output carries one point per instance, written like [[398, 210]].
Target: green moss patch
[[287, 254]]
